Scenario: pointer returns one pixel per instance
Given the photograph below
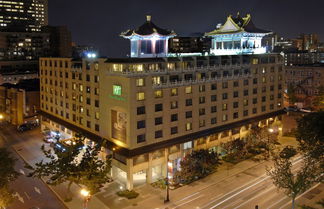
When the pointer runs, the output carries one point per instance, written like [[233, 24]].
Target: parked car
[[291, 109], [48, 139], [24, 127], [305, 109]]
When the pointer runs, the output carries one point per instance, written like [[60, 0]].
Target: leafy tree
[[7, 175], [319, 99], [74, 165], [288, 152], [291, 183], [291, 93], [196, 165], [310, 135]]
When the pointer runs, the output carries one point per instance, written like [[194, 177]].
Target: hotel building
[[154, 110]]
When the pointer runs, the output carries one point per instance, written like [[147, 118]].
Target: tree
[[310, 135], [291, 93], [291, 183], [7, 175], [74, 165], [196, 165], [319, 99]]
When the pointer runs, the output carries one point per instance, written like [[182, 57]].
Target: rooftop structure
[[238, 35], [148, 40]]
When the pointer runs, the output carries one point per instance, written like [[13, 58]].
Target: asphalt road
[[30, 192], [244, 191]]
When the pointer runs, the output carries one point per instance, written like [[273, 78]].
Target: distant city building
[[238, 35], [148, 40], [15, 77], [83, 51], [152, 111], [19, 103], [306, 42], [305, 81], [303, 58], [60, 41], [23, 15]]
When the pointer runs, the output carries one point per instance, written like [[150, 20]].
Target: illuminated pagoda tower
[[238, 35], [148, 40]]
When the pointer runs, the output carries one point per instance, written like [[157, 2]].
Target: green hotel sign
[[117, 90]]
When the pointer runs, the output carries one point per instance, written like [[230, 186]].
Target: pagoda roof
[[147, 29], [236, 25]]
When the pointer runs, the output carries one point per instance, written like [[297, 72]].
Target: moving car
[[291, 109], [305, 109]]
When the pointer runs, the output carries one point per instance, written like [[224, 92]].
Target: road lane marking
[[301, 194], [37, 190], [22, 171], [20, 198], [187, 201], [265, 191], [28, 197]]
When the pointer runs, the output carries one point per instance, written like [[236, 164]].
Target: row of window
[[188, 126]]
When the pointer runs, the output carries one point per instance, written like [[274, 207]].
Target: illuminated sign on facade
[[117, 90]]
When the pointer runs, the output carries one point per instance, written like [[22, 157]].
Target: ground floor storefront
[[152, 166]]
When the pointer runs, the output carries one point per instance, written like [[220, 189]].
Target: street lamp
[[86, 194], [270, 131], [169, 166], [1, 117]]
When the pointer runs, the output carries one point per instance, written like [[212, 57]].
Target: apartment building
[[152, 111]]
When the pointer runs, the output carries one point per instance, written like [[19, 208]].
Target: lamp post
[[169, 166], [270, 131], [86, 194]]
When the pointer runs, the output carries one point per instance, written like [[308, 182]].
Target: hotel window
[[174, 130], [235, 115], [279, 77], [201, 111], [80, 98], [96, 79], [255, 100], [158, 121], [235, 104], [279, 96], [255, 61], [188, 90], [245, 102], [158, 134], [141, 138], [213, 98], [88, 101], [245, 113], [88, 124], [140, 124], [201, 123], [189, 114], [174, 117], [96, 103], [225, 117], [140, 96], [81, 87], [224, 107], [96, 127], [87, 77], [225, 85], [264, 79], [255, 81], [188, 126], [158, 107], [235, 94], [213, 120], [263, 108], [213, 109], [73, 86], [174, 105], [236, 84], [271, 106], [158, 94], [156, 80], [246, 82], [246, 92], [271, 97], [88, 89], [174, 92], [264, 89], [140, 82], [141, 110], [202, 88], [97, 115], [188, 102], [263, 99], [96, 91], [225, 95], [254, 110], [255, 91], [201, 100]]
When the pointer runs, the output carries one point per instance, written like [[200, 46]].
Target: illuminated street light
[[1, 117], [86, 194]]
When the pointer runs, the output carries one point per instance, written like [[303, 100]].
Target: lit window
[[174, 92], [140, 96], [140, 82], [158, 94], [188, 89], [188, 126]]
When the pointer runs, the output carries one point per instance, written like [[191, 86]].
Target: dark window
[[141, 110], [96, 127], [158, 134], [224, 96], [255, 100], [189, 114], [263, 99], [263, 108], [158, 121], [140, 124], [254, 110], [235, 94], [255, 91], [225, 85], [201, 100], [236, 84], [201, 88], [141, 138], [188, 102], [158, 107], [235, 115], [213, 86], [235, 104], [97, 103], [255, 80], [213, 98], [88, 101], [246, 82], [246, 92], [88, 77], [174, 130], [213, 121], [174, 117], [213, 109], [174, 105], [202, 111], [245, 113]]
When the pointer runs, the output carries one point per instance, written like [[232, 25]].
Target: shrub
[[128, 194]]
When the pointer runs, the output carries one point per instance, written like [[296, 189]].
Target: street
[[30, 192]]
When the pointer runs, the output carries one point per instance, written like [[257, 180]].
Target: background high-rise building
[[23, 15]]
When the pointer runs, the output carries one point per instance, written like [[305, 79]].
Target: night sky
[[99, 22]]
